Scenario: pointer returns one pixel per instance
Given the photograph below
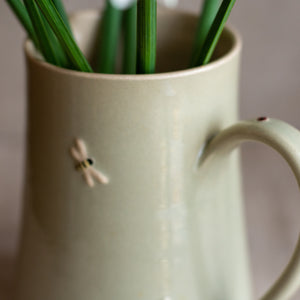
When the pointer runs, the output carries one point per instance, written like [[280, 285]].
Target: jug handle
[[285, 139]]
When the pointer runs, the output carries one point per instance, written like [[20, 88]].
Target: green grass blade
[[44, 34], [130, 40], [64, 36], [146, 36], [62, 57], [62, 11], [109, 37], [20, 11], [209, 12], [203, 56]]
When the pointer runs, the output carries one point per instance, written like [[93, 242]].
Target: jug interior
[[175, 38]]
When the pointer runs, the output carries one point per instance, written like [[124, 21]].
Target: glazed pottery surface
[[164, 227]]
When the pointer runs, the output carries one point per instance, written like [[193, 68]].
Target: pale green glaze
[[163, 228]]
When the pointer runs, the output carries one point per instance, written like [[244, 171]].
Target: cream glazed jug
[[164, 218]]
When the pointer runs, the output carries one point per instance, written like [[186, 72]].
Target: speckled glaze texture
[[166, 226]]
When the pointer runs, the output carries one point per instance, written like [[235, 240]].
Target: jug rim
[[34, 57]]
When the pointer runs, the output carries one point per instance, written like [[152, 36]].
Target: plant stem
[[130, 38], [64, 36], [209, 12], [20, 11], [46, 38], [204, 55], [109, 36], [61, 9], [146, 36]]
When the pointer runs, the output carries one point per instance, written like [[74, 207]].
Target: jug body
[[161, 228]]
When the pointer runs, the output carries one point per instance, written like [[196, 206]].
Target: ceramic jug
[[159, 214]]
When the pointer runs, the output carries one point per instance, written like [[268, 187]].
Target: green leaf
[[64, 36], [204, 55], [209, 12], [109, 37], [62, 11], [20, 11], [130, 40], [146, 36], [48, 44]]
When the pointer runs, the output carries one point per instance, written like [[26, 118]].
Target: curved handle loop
[[285, 139]]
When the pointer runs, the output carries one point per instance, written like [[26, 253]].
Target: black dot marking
[[91, 162], [262, 119]]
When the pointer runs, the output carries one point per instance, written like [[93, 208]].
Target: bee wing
[[75, 154], [82, 148], [99, 176], [88, 178]]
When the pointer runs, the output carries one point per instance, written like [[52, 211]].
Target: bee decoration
[[86, 164]]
